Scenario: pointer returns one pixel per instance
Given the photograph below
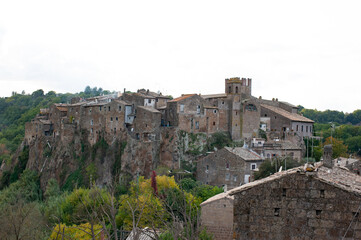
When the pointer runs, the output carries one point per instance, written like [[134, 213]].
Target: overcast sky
[[302, 52]]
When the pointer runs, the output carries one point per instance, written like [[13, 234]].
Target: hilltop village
[[155, 130]]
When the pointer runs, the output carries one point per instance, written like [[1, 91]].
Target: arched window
[[229, 89], [236, 89]]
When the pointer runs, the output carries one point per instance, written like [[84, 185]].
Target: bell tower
[[233, 89]]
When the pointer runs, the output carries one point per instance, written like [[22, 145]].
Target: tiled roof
[[219, 95], [184, 96], [337, 177], [292, 116], [244, 153]]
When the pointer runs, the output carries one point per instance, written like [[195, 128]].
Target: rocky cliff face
[[73, 161]]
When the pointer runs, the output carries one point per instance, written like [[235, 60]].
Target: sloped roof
[[244, 153], [218, 95], [341, 161], [184, 96], [62, 109], [337, 177], [217, 197], [289, 104], [149, 109], [292, 116]]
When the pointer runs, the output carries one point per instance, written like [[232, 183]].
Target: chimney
[[327, 156]]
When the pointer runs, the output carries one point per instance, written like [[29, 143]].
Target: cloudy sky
[[302, 52]]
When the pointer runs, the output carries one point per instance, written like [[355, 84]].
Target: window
[[115, 130], [277, 212], [215, 111], [227, 165], [234, 178], [109, 108], [181, 108], [116, 119], [214, 123], [297, 128], [198, 109], [197, 125], [229, 89], [310, 128], [251, 107], [228, 176], [253, 166], [120, 108], [236, 89], [149, 101], [91, 130], [223, 102], [306, 128], [207, 167], [91, 122], [100, 108], [302, 128], [90, 110], [111, 119]]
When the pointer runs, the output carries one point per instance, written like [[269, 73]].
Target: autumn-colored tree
[[338, 148]]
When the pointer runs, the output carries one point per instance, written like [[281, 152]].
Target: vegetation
[[270, 167], [90, 213]]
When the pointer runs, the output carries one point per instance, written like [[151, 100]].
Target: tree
[[21, 221], [338, 148]]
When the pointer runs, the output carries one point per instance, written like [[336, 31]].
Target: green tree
[[338, 148]]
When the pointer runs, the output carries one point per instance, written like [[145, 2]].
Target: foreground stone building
[[217, 216], [314, 203]]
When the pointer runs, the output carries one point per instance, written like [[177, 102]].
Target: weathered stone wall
[[221, 168], [251, 119], [217, 217], [296, 206]]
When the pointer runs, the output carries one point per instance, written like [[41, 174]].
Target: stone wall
[[296, 206], [217, 217], [224, 168]]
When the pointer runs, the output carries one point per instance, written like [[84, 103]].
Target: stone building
[[299, 204], [228, 167], [146, 98], [217, 216], [147, 124], [189, 113], [239, 111], [284, 122], [275, 149]]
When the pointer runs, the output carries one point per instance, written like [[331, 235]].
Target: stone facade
[[295, 204], [284, 122], [220, 206], [228, 167]]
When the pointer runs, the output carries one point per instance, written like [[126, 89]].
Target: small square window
[[253, 166]]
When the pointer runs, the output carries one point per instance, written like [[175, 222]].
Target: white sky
[[302, 52]]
